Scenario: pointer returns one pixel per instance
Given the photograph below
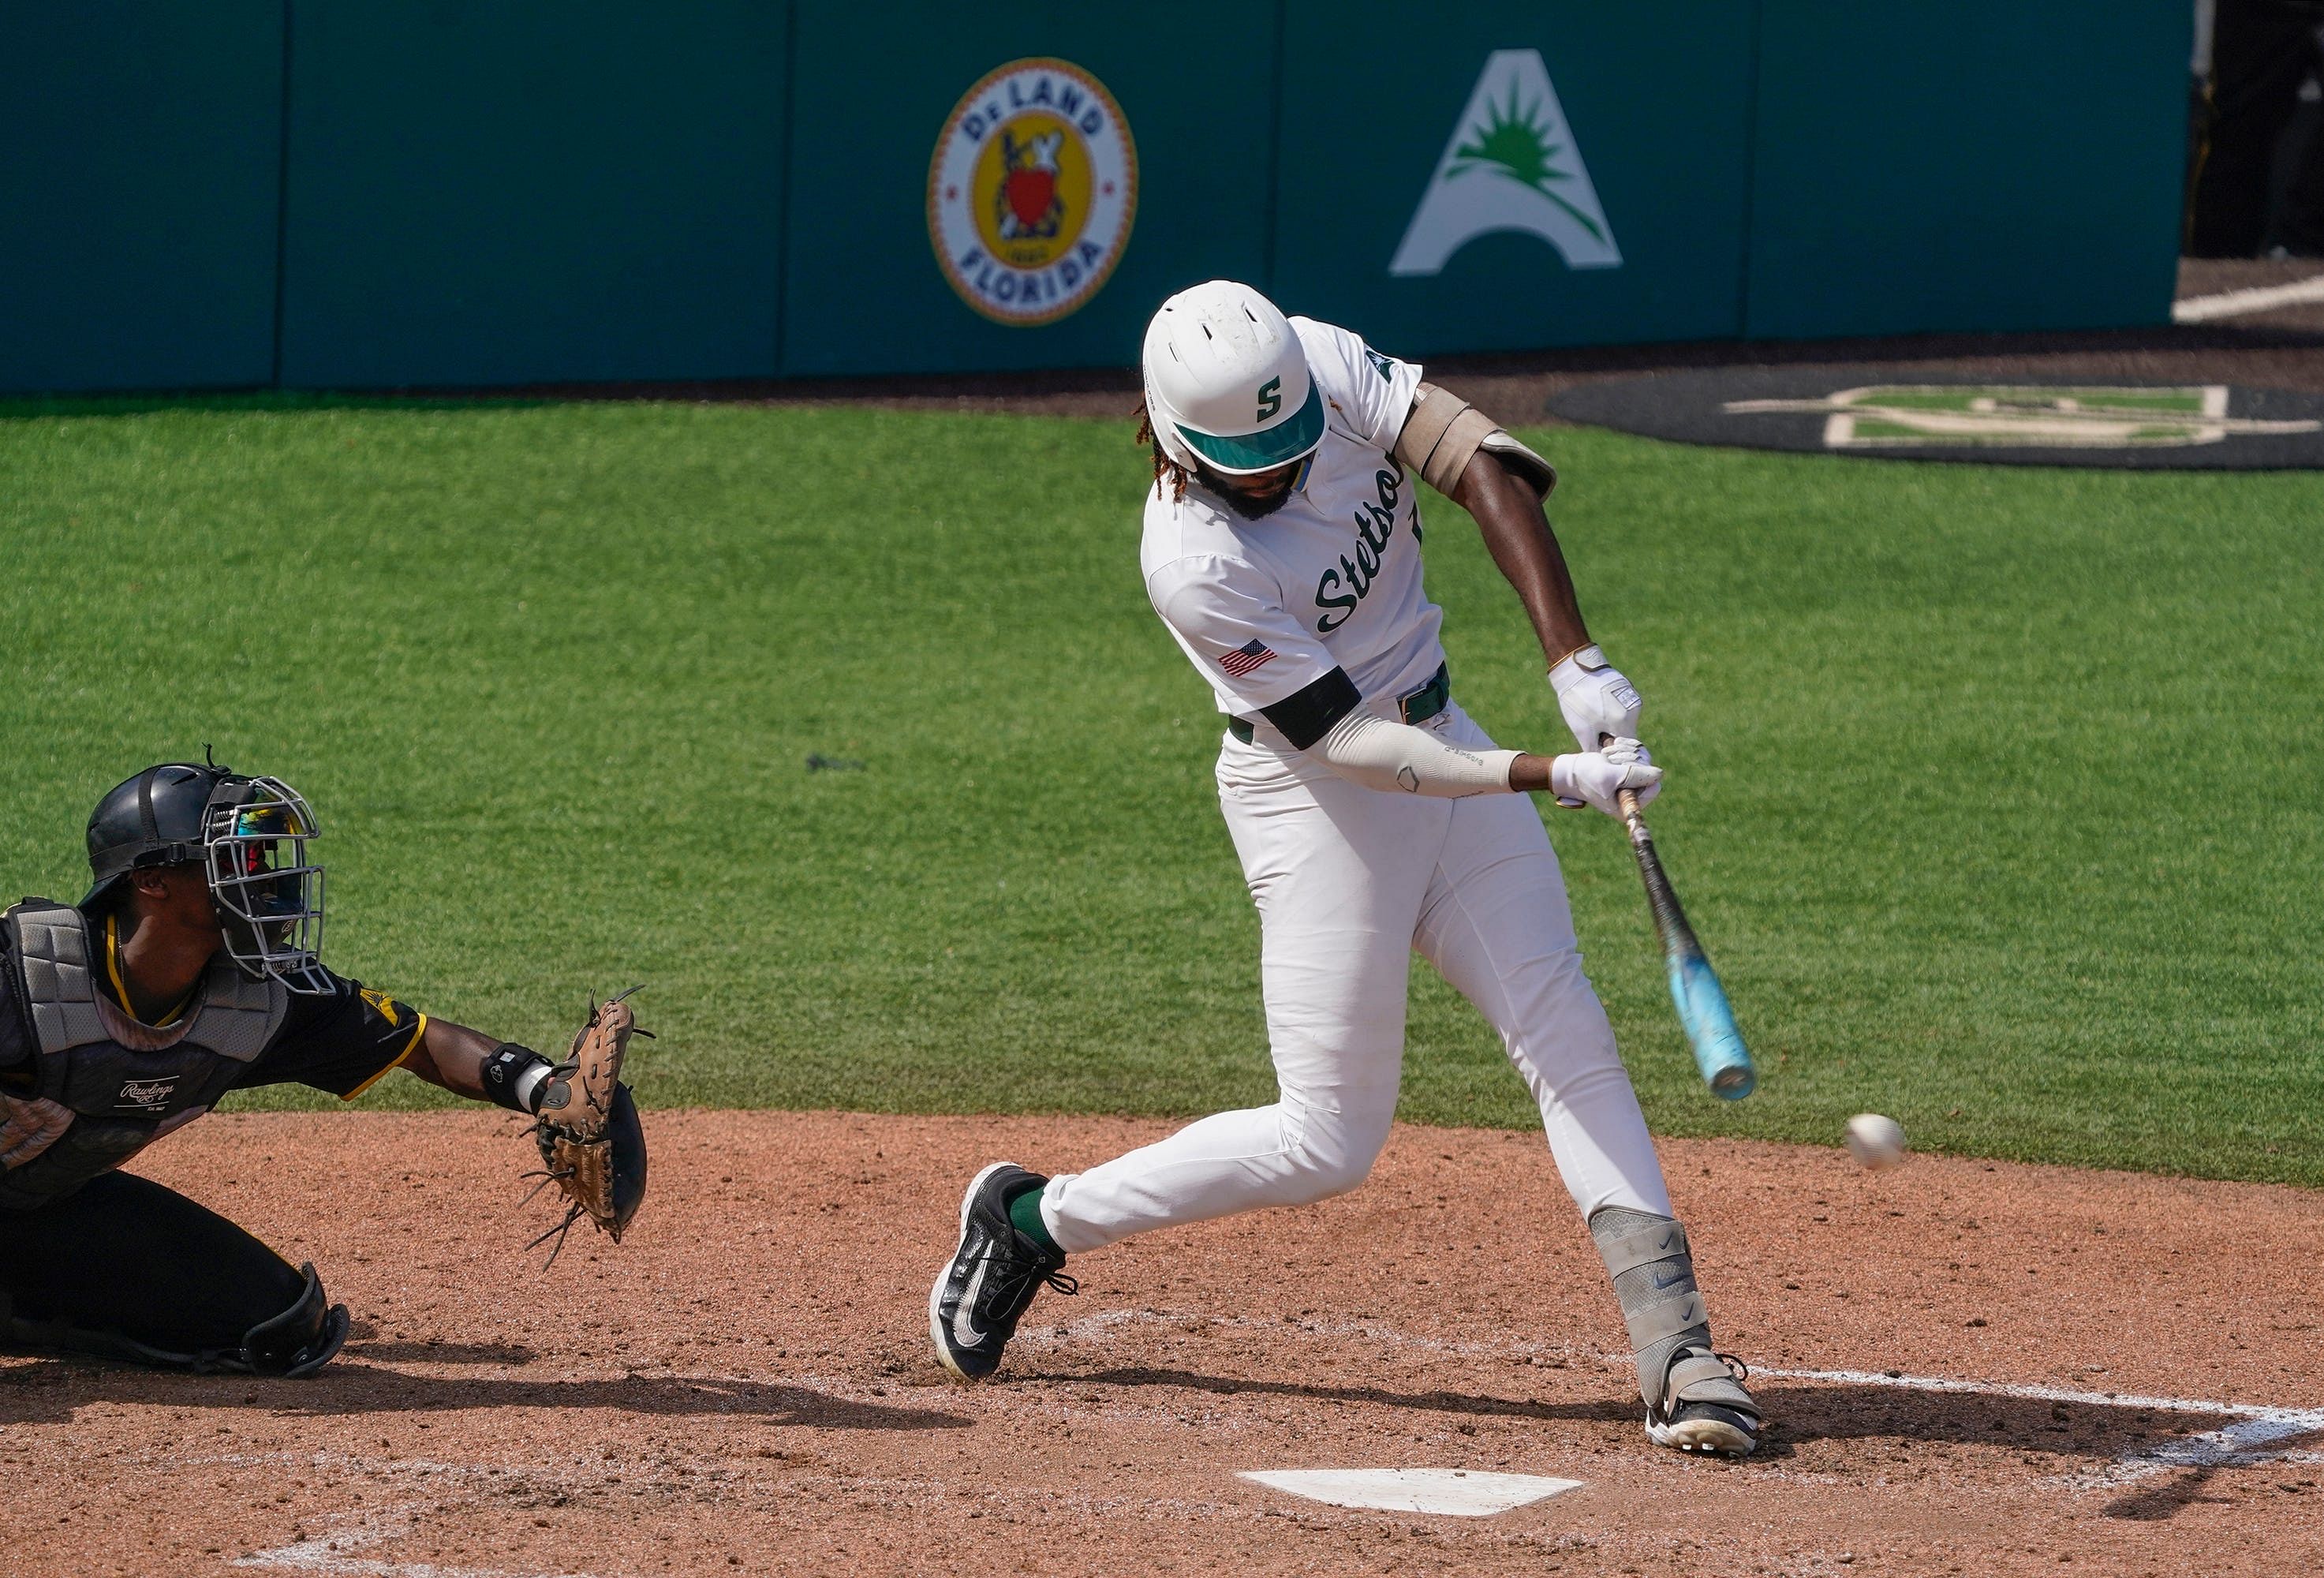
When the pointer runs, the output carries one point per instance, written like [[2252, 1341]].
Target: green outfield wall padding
[[514, 191], [477, 193], [140, 145], [1966, 165], [1655, 121], [865, 292]]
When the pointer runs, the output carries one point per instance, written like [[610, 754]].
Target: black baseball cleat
[[973, 1308]]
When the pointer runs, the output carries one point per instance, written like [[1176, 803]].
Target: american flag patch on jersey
[[1247, 657]]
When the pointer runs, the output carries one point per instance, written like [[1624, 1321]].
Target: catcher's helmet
[[1226, 380], [250, 835]]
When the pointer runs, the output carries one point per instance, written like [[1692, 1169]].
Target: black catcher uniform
[[92, 1259]]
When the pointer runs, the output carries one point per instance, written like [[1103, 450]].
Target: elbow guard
[[1444, 432]]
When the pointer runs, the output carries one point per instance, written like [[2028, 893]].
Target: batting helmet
[[1227, 384]]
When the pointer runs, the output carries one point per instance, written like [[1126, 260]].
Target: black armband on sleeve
[[1307, 713], [504, 1080]]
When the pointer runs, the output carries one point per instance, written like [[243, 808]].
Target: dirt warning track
[[1971, 1367]]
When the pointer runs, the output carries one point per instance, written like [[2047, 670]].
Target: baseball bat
[[1701, 1001]]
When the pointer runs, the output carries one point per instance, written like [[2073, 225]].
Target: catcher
[[190, 970]]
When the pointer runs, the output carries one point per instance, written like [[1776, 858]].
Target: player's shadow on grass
[[49, 1391]]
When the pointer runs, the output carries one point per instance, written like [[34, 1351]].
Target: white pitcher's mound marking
[[1447, 1492]]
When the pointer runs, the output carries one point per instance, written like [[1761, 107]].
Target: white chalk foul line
[[2257, 1428], [2306, 1418], [2244, 303], [2254, 1437]]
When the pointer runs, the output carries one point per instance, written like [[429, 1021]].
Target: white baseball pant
[[1348, 881]]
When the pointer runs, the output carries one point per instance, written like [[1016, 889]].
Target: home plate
[[1449, 1493]]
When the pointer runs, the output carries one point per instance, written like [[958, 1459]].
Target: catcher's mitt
[[592, 1147]]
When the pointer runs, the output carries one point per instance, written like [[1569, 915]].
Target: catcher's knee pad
[[1670, 1328], [300, 1340], [297, 1340]]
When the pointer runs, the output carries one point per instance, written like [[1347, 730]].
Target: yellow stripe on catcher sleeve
[[410, 1047]]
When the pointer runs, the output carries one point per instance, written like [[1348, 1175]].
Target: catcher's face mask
[[268, 895]]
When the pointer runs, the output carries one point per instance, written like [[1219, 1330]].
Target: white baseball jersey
[[1349, 882], [1267, 607]]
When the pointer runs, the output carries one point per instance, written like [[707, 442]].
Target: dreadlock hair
[[1166, 470]]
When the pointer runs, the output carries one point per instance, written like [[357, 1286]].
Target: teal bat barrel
[[1710, 1025], [1719, 1053]]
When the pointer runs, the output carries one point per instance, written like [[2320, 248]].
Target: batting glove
[[1597, 778], [1597, 698]]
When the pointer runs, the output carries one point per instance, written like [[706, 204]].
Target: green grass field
[[1995, 792]]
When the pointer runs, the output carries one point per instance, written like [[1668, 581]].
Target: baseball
[[1875, 1141]]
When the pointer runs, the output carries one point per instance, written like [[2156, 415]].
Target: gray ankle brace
[[1654, 1278]]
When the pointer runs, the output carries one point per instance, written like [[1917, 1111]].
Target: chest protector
[[104, 1085]]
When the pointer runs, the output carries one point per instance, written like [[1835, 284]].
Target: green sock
[[1025, 1216]]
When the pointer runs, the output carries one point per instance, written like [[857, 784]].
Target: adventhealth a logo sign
[[1511, 163]]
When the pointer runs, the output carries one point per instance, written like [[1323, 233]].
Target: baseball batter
[[1372, 817], [189, 970]]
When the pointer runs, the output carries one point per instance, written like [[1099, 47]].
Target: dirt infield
[[747, 1386]]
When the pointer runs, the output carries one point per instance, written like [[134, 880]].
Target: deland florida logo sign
[[1031, 191]]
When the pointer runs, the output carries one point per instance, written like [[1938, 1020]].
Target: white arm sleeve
[[1380, 755]]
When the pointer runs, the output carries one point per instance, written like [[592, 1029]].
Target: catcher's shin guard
[[300, 1340], [294, 1344], [1694, 1396]]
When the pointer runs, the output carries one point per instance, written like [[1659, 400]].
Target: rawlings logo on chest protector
[[146, 1092], [1345, 584]]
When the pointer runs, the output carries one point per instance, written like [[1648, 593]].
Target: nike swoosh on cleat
[[963, 1329]]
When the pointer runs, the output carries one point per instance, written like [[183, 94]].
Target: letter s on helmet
[[1227, 384]]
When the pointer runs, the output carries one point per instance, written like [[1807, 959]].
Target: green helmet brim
[[1266, 449]]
